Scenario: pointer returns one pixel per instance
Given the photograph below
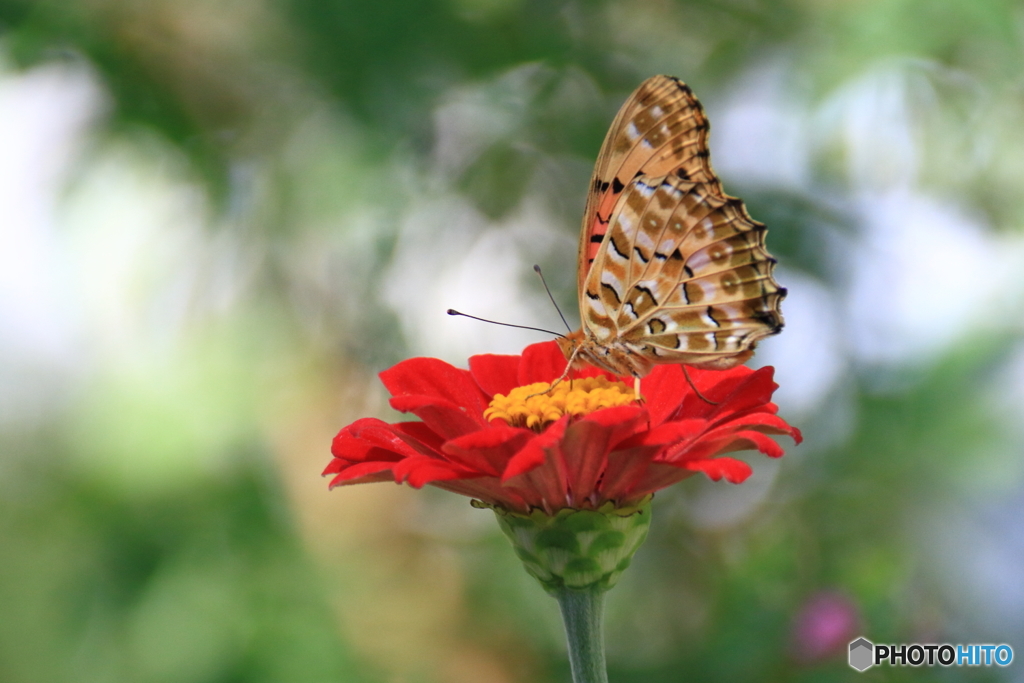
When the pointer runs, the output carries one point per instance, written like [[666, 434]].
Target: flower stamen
[[537, 405]]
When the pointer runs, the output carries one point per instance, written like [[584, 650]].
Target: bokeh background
[[219, 219]]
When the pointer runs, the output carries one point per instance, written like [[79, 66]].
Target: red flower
[[619, 454]]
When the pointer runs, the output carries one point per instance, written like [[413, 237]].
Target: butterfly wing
[[670, 267], [660, 130], [682, 276]]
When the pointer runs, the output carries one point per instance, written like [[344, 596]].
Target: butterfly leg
[[640, 398], [696, 390], [568, 368]]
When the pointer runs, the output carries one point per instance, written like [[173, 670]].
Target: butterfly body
[[671, 269]]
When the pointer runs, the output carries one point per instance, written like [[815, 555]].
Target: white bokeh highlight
[[480, 271], [926, 275], [45, 115]]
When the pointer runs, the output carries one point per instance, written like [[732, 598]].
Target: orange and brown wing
[[681, 276], [661, 130]]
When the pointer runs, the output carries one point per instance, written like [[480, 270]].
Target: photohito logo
[[864, 654]]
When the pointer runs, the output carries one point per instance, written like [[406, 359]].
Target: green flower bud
[[578, 549]]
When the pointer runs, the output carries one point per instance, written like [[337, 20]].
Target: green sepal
[[578, 549]]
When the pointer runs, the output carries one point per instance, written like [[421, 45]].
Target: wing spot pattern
[[644, 190], [614, 248], [720, 252], [656, 326], [644, 240], [612, 290], [728, 283], [674, 237]]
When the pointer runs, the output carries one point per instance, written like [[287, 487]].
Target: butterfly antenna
[[452, 311], [547, 289], [696, 390]]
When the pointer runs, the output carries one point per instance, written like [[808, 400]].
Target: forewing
[[660, 130], [682, 274]]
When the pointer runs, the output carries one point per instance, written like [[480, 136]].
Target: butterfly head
[[579, 349], [570, 346]]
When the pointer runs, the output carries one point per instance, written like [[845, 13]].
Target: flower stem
[[581, 614]]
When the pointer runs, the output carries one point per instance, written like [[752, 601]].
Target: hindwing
[[681, 275]]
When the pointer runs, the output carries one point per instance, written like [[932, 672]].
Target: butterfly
[[670, 268]]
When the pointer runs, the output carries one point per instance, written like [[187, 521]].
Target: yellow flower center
[[538, 405]]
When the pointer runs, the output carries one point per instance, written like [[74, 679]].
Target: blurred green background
[[220, 218]]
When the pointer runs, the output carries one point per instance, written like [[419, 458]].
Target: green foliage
[[204, 583]]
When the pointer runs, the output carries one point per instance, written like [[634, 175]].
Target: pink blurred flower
[[824, 626]]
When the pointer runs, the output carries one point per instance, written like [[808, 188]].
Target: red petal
[[734, 471], [356, 441], [584, 456], [349, 449], [716, 389], [369, 454], [488, 451], [663, 391], [420, 436], [364, 473], [495, 374], [750, 439], [755, 391], [447, 419], [488, 490], [535, 452], [624, 420], [424, 470], [542, 362], [626, 473], [433, 378], [707, 448], [768, 423], [673, 432]]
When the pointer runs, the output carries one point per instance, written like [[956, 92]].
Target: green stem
[[581, 614]]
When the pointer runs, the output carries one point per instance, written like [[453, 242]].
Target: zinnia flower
[[496, 433], [568, 466]]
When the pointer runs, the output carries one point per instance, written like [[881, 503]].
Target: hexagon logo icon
[[861, 654]]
